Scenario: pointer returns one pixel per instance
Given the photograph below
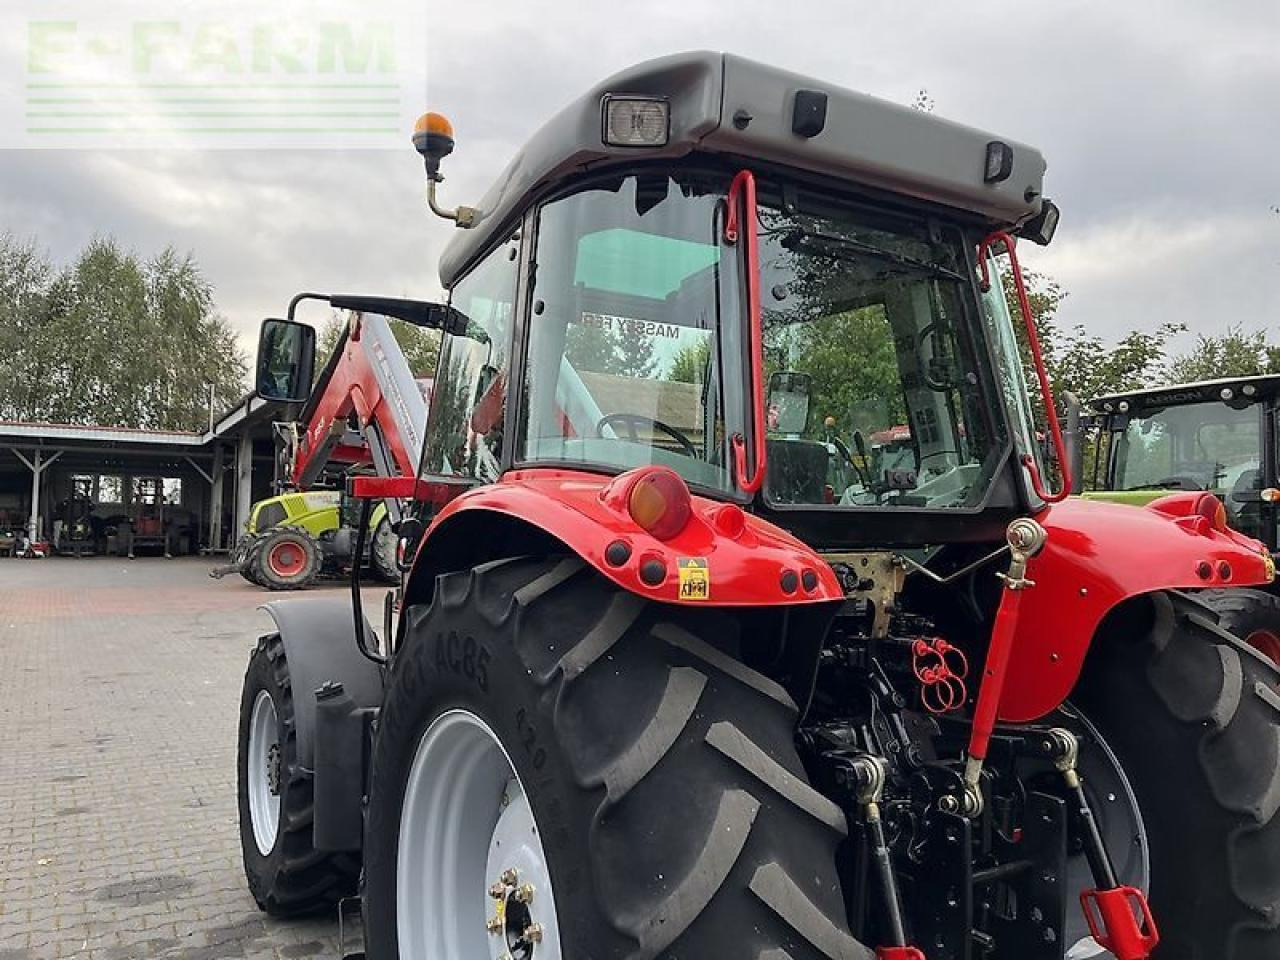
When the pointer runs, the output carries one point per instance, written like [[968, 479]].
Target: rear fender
[[1098, 555], [743, 561]]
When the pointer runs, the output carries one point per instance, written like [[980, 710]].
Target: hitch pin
[[1108, 909], [865, 777]]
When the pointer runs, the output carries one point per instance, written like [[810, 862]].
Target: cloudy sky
[[1160, 122]]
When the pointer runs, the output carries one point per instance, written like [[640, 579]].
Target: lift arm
[[368, 377]]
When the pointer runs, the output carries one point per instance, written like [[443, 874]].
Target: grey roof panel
[[866, 140]]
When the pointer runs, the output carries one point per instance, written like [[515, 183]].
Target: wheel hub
[[513, 920], [273, 769], [1266, 642]]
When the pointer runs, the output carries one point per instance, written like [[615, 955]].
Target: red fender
[[744, 561], [1097, 555]]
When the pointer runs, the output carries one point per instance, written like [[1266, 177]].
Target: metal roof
[[249, 411], [11, 430], [1266, 384], [729, 106]]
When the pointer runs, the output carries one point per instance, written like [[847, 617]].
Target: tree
[[690, 364], [1080, 361], [609, 345], [421, 347], [113, 339], [1233, 354]]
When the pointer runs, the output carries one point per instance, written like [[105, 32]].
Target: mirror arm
[[293, 304], [741, 203], [1037, 356]]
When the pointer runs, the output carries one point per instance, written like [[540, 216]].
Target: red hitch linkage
[[899, 953], [1113, 925], [1109, 909]]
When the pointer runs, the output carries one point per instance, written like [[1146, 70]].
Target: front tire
[[673, 811], [1192, 715], [286, 875]]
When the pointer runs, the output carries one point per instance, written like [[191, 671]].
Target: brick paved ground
[[119, 690]]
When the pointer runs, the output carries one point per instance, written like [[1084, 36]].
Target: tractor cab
[[1217, 436], [679, 272]]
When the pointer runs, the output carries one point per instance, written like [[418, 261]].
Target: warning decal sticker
[[695, 582]]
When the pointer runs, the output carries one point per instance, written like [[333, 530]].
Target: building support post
[[244, 481], [215, 500], [37, 465]]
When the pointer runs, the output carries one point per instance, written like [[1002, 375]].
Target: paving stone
[[118, 835]]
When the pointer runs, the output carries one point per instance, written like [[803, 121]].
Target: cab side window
[[469, 397]]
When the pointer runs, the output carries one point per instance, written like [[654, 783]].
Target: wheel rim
[[263, 773], [471, 876], [1266, 642], [1115, 807], [287, 559]]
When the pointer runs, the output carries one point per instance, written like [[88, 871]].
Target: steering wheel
[[632, 420]]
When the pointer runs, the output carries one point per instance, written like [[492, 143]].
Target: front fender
[[1097, 556], [743, 560], [319, 639]]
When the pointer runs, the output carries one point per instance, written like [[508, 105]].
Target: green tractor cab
[[1218, 436]]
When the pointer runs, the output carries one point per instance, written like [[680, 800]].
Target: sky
[[1159, 122]]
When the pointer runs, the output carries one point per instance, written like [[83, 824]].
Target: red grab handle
[[1112, 924], [1033, 341], [741, 219]]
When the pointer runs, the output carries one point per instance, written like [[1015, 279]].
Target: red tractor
[[652, 688]]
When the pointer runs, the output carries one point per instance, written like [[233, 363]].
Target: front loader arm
[[367, 376]]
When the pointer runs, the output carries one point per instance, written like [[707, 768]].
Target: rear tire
[[1252, 615], [288, 558], [290, 878], [673, 809], [1192, 715]]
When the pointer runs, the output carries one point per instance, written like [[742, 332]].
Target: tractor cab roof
[[725, 105], [1241, 389]]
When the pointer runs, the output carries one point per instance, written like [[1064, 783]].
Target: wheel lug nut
[[533, 933], [498, 891], [524, 893], [494, 925], [509, 877]]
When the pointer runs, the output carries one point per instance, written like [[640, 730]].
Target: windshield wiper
[[843, 248]]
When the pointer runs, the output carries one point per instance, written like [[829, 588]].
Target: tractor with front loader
[[365, 414], [651, 688], [293, 539], [1218, 436]]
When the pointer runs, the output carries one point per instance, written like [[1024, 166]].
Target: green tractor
[[293, 539], [1218, 436]]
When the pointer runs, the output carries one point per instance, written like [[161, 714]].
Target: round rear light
[[659, 502], [1213, 510]]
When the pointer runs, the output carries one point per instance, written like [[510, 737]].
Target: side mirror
[[286, 361], [788, 410]]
